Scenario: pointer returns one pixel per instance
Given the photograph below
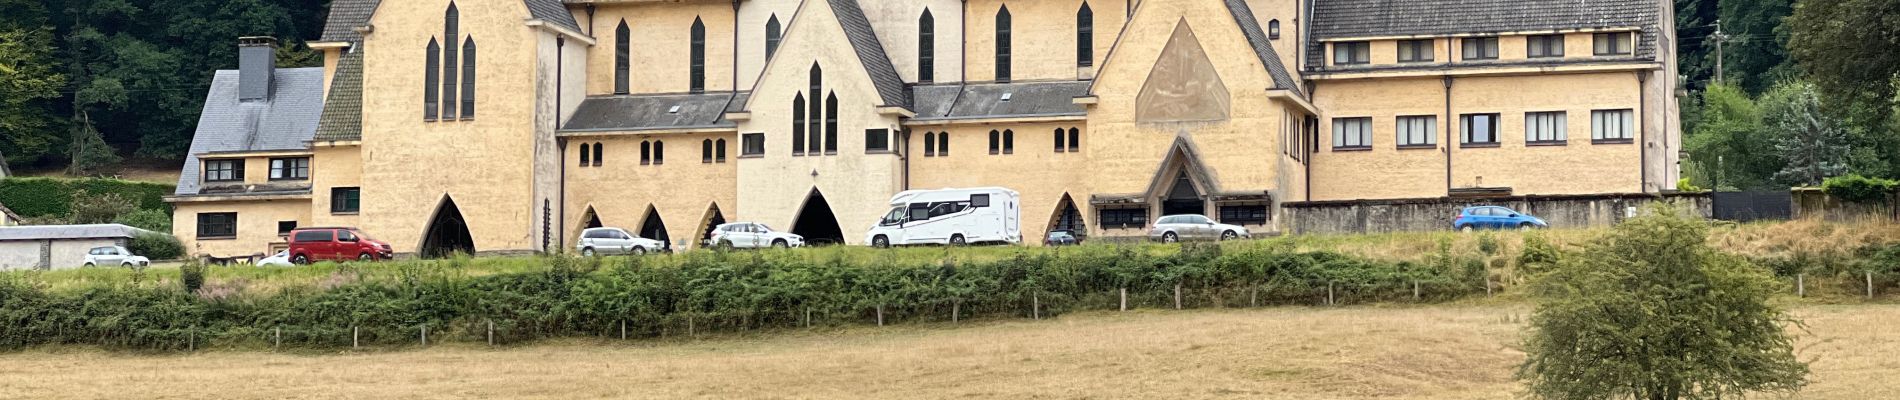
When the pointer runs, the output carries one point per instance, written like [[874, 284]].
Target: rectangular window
[[217, 225], [1612, 126], [1252, 214], [1351, 53], [1415, 51], [877, 140], [1418, 131], [224, 170], [752, 145], [1124, 218], [1352, 133], [284, 227], [1478, 130], [1545, 127], [289, 168], [345, 200], [1611, 44], [1542, 46], [979, 200], [1480, 48]]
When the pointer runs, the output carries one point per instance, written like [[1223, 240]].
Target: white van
[[950, 216]]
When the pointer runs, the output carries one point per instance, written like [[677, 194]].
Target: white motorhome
[[950, 216]]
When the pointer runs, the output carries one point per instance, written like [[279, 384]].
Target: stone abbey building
[[498, 126]]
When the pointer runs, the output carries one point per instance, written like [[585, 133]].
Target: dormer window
[[1350, 53], [1415, 50], [224, 170], [1481, 48], [1612, 44], [1544, 46], [289, 168]]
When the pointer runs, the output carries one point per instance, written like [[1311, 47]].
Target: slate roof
[[57, 232], [857, 28], [652, 112], [284, 121], [554, 12], [1262, 48], [1369, 18], [345, 16], [342, 117], [1027, 99]]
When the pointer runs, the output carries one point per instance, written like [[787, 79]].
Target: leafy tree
[[1846, 48], [1756, 55], [1812, 143], [155, 220], [87, 150], [1729, 144], [27, 79], [98, 208], [1650, 311]]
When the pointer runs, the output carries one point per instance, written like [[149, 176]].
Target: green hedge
[[40, 197], [1859, 189], [701, 292]]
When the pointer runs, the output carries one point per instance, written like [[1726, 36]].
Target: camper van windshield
[[894, 217]]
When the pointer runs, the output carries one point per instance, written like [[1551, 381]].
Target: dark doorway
[[713, 220], [1183, 198], [593, 220], [654, 228], [1067, 217], [817, 223], [447, 233]]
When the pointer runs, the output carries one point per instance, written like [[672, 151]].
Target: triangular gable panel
[[1183, 85]]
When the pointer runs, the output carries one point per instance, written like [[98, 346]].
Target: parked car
[[1495, 217], [949, 216], [1175, 228], [281, 259], [1061, 238], [596, 241], [114, 255], [751, 235], [309, 245]]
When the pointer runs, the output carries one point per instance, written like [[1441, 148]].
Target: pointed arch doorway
[[589, 220], [1068, 218], [1183, 198], [654, 227], [816, 222], [447, 233], [714, 218]]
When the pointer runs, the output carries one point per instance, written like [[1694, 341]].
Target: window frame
[[1421, 51], [1003, 44], [1558, 121], [1486, 48], [280, 169], [926, 47], [209, 220], [1403, 137], [930, 144], [774, 34], [1544, 46], [696, 74], [752, 145], [1620, 44], [1264, 214], [1085, 36], [235, 171], [877, 141], [1354, 52], [282, 230], [354, 195], [623, 59], [1465, 132], [1628, 123], [1341, 134], [1121, 218]]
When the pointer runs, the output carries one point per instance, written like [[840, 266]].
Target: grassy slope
[[1436, 352]]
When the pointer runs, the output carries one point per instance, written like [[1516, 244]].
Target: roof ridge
[[863, 38]]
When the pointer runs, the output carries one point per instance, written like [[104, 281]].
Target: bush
[[1859, 189], [147, 219], [98, 208], [156, 246], [41, 197], [1686, 185]]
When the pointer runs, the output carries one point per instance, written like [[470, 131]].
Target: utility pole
[[1719, 38]]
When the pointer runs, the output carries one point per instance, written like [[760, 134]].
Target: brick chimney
[[257, 63]]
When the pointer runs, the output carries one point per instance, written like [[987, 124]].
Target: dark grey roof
[[857, 28], [345, 16], [1027, 99], [1262, 48], [284, 121], [342, 118], [57, 232], [554, 12], [8, 213], [1372, 18], [652, 112]]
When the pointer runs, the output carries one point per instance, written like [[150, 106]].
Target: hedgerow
[[700, 292], [43, 197]]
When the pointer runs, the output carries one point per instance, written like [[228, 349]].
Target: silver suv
[[1175, 228]]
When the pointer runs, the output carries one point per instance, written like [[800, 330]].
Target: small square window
[[1352, 133], [753, 144], [284, 227], [1479, 130], [877, 140], [345, 200]]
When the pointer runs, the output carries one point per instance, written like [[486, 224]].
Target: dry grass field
[[1436, 352]]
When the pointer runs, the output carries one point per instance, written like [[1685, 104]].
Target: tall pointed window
[[996, 142], [659, 152], [431, 76], [1002, 45], [698, 77], [1085, 36], [831, 124], [772, 35], [450, 24], [926, 48], [930, 144], [943, 143], [623, 41], [798, 125], [1075, 140], [599, 153], [468, 78], [1009, 141], [705, 151], [816, 117], [646, 152], [719, 150], [586, 154], [1062, 143]]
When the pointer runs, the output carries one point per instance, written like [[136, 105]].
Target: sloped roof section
[[863, 38], [345, 16], [283, 121], [1334, 19], [342, 117], [979, 101], [554, 12], [654, 112], [1262, 48], [60, 232]]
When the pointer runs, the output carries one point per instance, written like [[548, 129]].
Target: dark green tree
[[1729, 147], [29, 81], [1756, 52], [1846, 48], [1811, 144]]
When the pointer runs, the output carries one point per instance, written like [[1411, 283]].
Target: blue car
[[1494, 217]]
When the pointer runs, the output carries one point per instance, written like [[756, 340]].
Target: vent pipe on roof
[[257, 62]]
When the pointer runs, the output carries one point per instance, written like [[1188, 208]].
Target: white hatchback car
[[752, 235], [114, 255], [281, 259], [595, 241]]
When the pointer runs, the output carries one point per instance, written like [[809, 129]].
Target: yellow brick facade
[[1174, 88]]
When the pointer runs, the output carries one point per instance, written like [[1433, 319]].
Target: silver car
[[1175, 228], [596, 241]]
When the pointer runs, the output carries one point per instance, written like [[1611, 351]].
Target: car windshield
[[762, 228], [892, 218], [361, 236]]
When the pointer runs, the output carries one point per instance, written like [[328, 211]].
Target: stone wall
[[1437, 213], [1815, 203]]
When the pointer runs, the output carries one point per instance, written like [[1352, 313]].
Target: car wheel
[[1169, 238], [127, 265], [957, 240], [587, 252], [365, 257], [1465, 229], [1525, 226], [637, 250], [781, 244], [300, 260], [881, 242], [89, 265], [1228, 235]]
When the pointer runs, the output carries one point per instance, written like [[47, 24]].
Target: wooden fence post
[[956, 310], [1870, 284], [689, 325], [1253, 297], [1329, 294], [425, 336], [807, 316], [1800, 285], [1035, 306], [491, 332], [1487, 284], [276, 337], [880, 314], [1177, 296], [191, 339], [1124, 299], [1415, 292], [356, 336], [623, 329]]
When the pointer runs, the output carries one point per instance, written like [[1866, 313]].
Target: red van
[[309, 245]]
